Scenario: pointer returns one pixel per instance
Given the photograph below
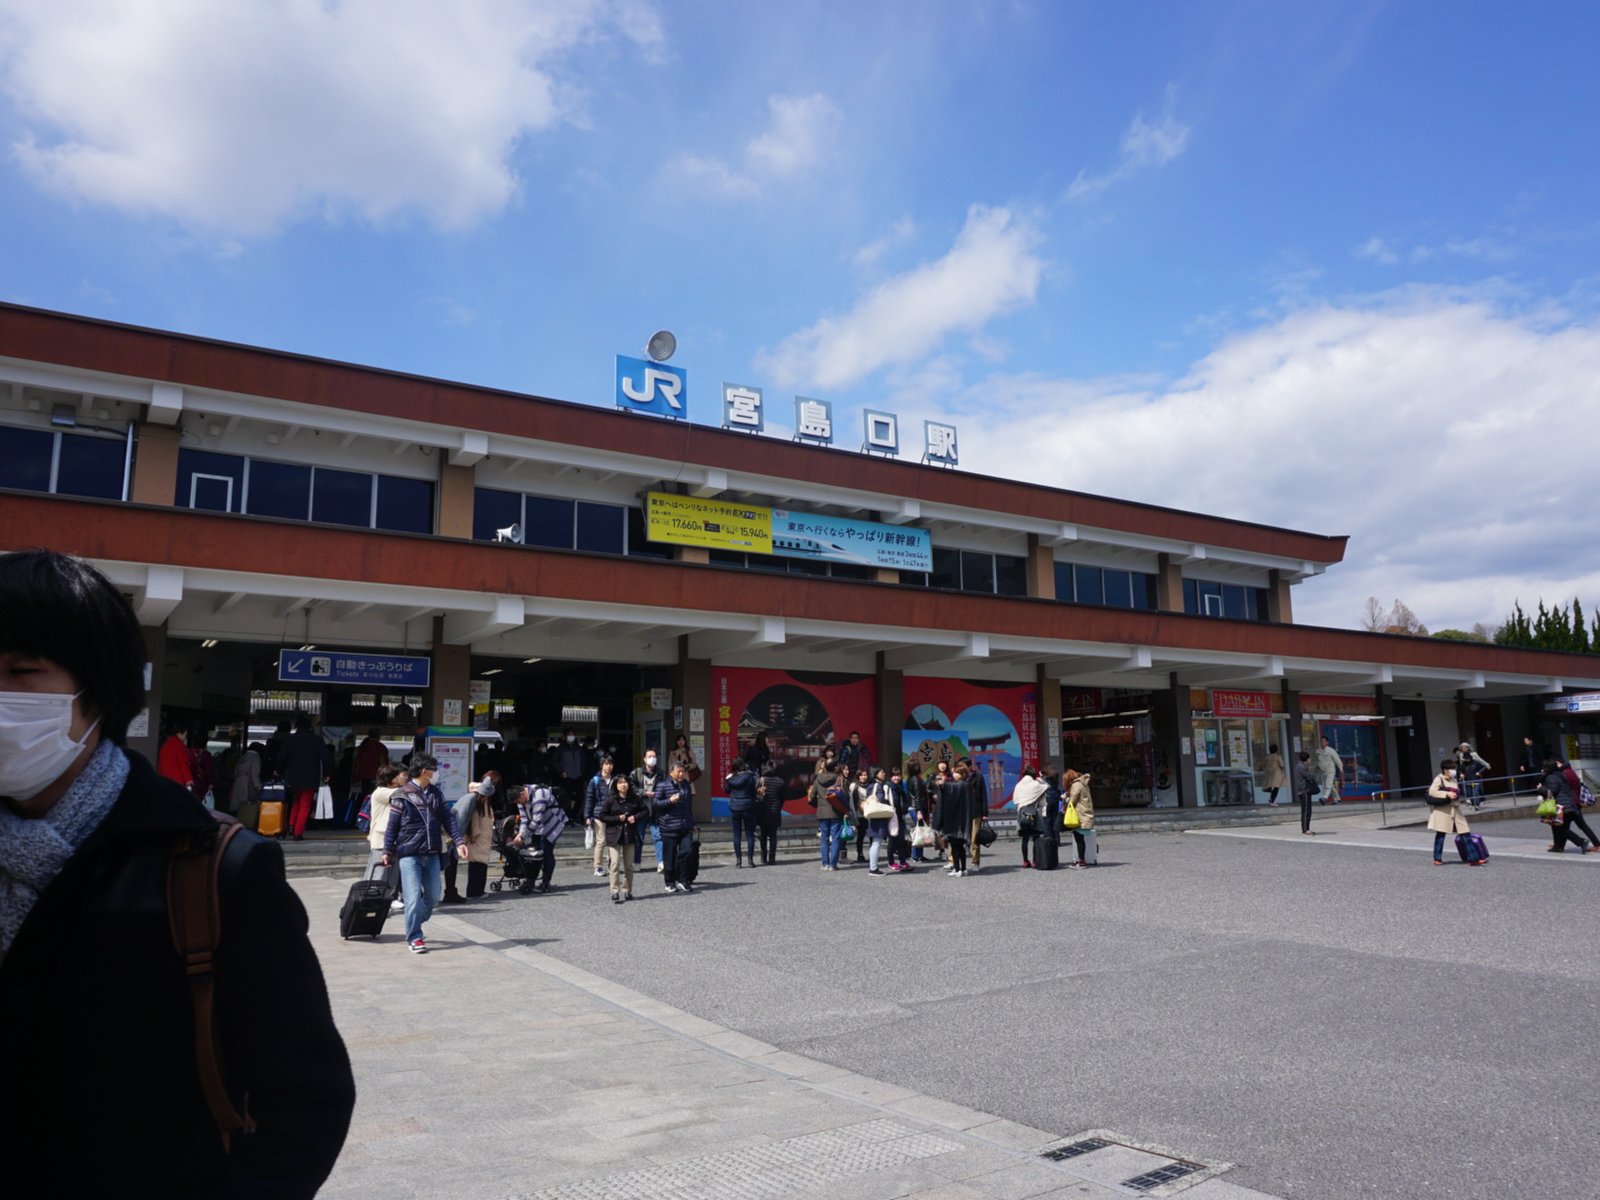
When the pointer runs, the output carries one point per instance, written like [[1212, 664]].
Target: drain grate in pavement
[[1161, 1175], [1085, 1146]]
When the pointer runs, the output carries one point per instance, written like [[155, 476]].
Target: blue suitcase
[[1471, 848]]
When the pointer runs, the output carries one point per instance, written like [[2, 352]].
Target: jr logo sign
[[645, 386]]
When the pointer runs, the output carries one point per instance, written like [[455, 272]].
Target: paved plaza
[[1235, 1014]]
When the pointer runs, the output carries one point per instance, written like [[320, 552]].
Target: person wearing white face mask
[[88, 834], [644, 780]]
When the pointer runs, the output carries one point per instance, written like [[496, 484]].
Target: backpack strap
[[195, 916]]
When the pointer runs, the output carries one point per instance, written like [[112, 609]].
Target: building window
[[275, 489], [946, 571], [404, 505], [1213, 598], [342, 498], [547, 522], [214, 482], [639, 543], [1010, 575], [493, 511], [69, 464], [601, 528], [1077, 583], [977, 571], [1088, 585]]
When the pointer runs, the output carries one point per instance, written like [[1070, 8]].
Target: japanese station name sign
[[724, 525], [643, 386], [356, 670]]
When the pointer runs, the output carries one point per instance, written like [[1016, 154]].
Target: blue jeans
[[422, 883], [744, 835], [829, 828]]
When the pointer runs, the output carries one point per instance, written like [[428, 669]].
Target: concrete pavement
[[489, 1069]]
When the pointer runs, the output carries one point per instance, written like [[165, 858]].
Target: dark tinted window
[[851, 571], [1064, 581], [341, 498], [405, 505], [640, 545], [807, 566], [279, 490], [91, 466], [1191, 596], [1087, 585], [1210, 597], [946, 571], [1144, 590], [1010, 575], [209, 480], [1259, 604], [727, 558], [766, 562], [547, 522], [977, 571], [600, 527], [1119, 588], [914, 579], [25, 456], [494, 510], [1233, 603]]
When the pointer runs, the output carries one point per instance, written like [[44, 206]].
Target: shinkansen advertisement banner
[[724, 525]]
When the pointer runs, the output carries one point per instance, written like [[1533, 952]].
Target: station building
[[496, 567]]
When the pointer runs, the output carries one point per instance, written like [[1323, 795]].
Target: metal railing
[[1518, 784]]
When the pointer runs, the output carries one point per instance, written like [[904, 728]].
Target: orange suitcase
[[270, 823]]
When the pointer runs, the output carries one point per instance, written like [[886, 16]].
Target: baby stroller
[[521, 863]]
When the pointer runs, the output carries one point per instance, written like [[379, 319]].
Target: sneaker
[[686, 889], [661, 866], [973, 869], [671, 888], [874, 871], [952, 871], [1026, 865], [419, 947], [599, 872], [396, 906], [616, 897]]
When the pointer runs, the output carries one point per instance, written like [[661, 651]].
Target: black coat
[[101, 1088], [957, 806], [769, 801], [613, 814]]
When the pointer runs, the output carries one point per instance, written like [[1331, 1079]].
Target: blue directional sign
[[339, 666], [652, 387]]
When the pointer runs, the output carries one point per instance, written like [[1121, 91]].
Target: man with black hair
[[304, 770], [91, 838]]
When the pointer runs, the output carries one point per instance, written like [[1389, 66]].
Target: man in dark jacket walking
[[418, 819]]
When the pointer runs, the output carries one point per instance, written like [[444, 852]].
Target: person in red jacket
[[173, 758]]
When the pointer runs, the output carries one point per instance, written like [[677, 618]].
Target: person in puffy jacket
[[419, 821], [742, 784], [540, 820], [769, 810], [621, 819], [1079, 797], [1028, 796], [673, 808]]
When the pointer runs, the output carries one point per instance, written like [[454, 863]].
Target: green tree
[[1460, 635]]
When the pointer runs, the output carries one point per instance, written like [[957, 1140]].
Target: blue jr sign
[[652, 387]]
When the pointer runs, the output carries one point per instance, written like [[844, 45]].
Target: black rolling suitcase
[[691, 863], [1046, 853], [366, 907]]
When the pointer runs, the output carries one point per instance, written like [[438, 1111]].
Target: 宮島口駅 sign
[[338, 666], [647, 386], [723, 525]]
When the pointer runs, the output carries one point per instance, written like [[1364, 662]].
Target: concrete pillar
[[1391, 740], [691, 688], [456, 498], [452, 670], [155, 466], [1041, 569], [1280, 608], [1183, 724], [1169, 591], [155, 648], [891, 714], [1291, 706], [1465, 728], [1050, 760]]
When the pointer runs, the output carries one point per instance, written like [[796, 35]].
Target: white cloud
[[992, 269], [234, 118], [1144, 144], [794, 141], [901, 231], [1453, 442], [1379, 251]]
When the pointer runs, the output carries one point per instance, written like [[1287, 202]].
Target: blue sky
[[1331, 266]]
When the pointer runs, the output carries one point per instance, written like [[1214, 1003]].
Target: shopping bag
[[1069, 819], [846, 830], [324, 803], [588, 837], [922, 837], [1547, 810]]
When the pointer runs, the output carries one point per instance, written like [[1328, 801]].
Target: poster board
[[452, 746]]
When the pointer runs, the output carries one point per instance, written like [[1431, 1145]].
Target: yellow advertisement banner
[[715, 524]]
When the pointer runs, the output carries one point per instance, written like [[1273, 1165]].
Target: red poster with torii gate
[[787, 717], [996, 725]]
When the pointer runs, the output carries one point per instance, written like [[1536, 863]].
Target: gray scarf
[[33, 850]]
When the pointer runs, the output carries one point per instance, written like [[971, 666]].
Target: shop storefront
[[1109, 734], [1355, 731], [1235, 732]]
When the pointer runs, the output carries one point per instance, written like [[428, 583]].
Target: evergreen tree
[[1580, 632]]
